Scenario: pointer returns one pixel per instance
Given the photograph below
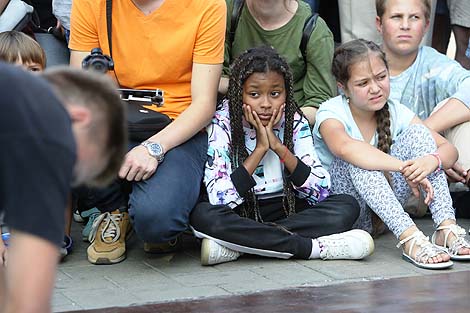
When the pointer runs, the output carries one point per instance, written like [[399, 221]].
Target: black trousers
[[278, 235]]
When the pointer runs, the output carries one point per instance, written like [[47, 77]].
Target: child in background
[[268, 193], [18, 48], [435, 87], [379, 151]]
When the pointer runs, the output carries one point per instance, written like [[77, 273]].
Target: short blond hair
[[380, 8]]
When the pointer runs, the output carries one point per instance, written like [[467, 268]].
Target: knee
[[205, 218], [418, 130], [155, 223], [349, 213], [419, 133]]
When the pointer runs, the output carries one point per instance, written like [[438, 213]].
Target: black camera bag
[[143, 122]]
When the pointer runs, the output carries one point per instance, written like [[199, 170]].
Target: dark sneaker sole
[[106, 261]]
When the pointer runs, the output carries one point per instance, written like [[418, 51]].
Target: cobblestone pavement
[[146, 278]]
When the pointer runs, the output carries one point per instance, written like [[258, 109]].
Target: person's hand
[[3, 253], [274, 142], [251, 117], [138, 165], [418, 169], [458, 174], [425, 185]]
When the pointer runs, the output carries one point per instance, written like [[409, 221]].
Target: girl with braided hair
[[379, 151], [268, 193]]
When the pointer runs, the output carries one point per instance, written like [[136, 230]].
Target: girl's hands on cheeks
[[251, 117], [274, 142], [418, 169]]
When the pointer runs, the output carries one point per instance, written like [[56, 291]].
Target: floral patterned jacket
[[224, 186]]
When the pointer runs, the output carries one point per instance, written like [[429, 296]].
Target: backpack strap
[[236, 12], [309, 26], [109, 14]]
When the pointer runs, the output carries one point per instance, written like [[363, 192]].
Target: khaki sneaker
[[108, 238]]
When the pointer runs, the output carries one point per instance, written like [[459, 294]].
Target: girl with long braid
[[379, 151], [268, 193]]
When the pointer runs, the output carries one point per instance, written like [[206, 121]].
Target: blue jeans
[[160, 206]]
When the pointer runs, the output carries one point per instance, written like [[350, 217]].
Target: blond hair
[[15, 46], [380, 8]]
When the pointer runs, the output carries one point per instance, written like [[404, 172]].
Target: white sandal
[[426, 251], [457, 244]]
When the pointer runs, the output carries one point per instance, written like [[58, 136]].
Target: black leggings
[[286, 236]]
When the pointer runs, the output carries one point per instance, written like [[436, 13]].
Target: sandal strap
[[458, 243], [414, 236], [426, 249]]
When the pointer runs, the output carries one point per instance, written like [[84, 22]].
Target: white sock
[[315, 250]]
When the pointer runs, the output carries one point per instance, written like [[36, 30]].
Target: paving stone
[[258, 284], [146, 278], [177, 263], [291, 273], [102, 297], [214, 278], [163, 294], [59, 299], [66, 308]]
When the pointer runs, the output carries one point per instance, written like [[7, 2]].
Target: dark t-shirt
[[37, 155]]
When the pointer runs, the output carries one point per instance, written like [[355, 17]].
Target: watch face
[[155, 149]]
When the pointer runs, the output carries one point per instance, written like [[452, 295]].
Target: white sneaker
[[213, 253], [355, 244]]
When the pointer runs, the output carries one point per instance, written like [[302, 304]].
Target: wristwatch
[[154, 149]]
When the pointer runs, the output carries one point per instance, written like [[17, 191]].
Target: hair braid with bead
[[259, 60]]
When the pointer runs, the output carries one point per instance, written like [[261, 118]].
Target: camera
[[98, 62], [155, 97]]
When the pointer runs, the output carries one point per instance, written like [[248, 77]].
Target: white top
[[337, 108]]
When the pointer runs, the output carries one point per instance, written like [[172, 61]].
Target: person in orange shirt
[[176, 46]]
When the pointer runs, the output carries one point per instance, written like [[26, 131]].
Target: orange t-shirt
[[156, 50]]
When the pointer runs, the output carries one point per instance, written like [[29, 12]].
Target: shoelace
[[333, 248], [111, 228], [226, 253]]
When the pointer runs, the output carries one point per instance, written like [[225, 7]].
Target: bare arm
[[76, 58], [447, 152], [418, 169], [356, 152], [3, 5], [223, 85], [138, 163], [310, 113], [453, 113], [29, 289], [205, 79]]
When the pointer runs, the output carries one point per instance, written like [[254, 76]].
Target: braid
[[383, 129], [259, 60], [288, 201]]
